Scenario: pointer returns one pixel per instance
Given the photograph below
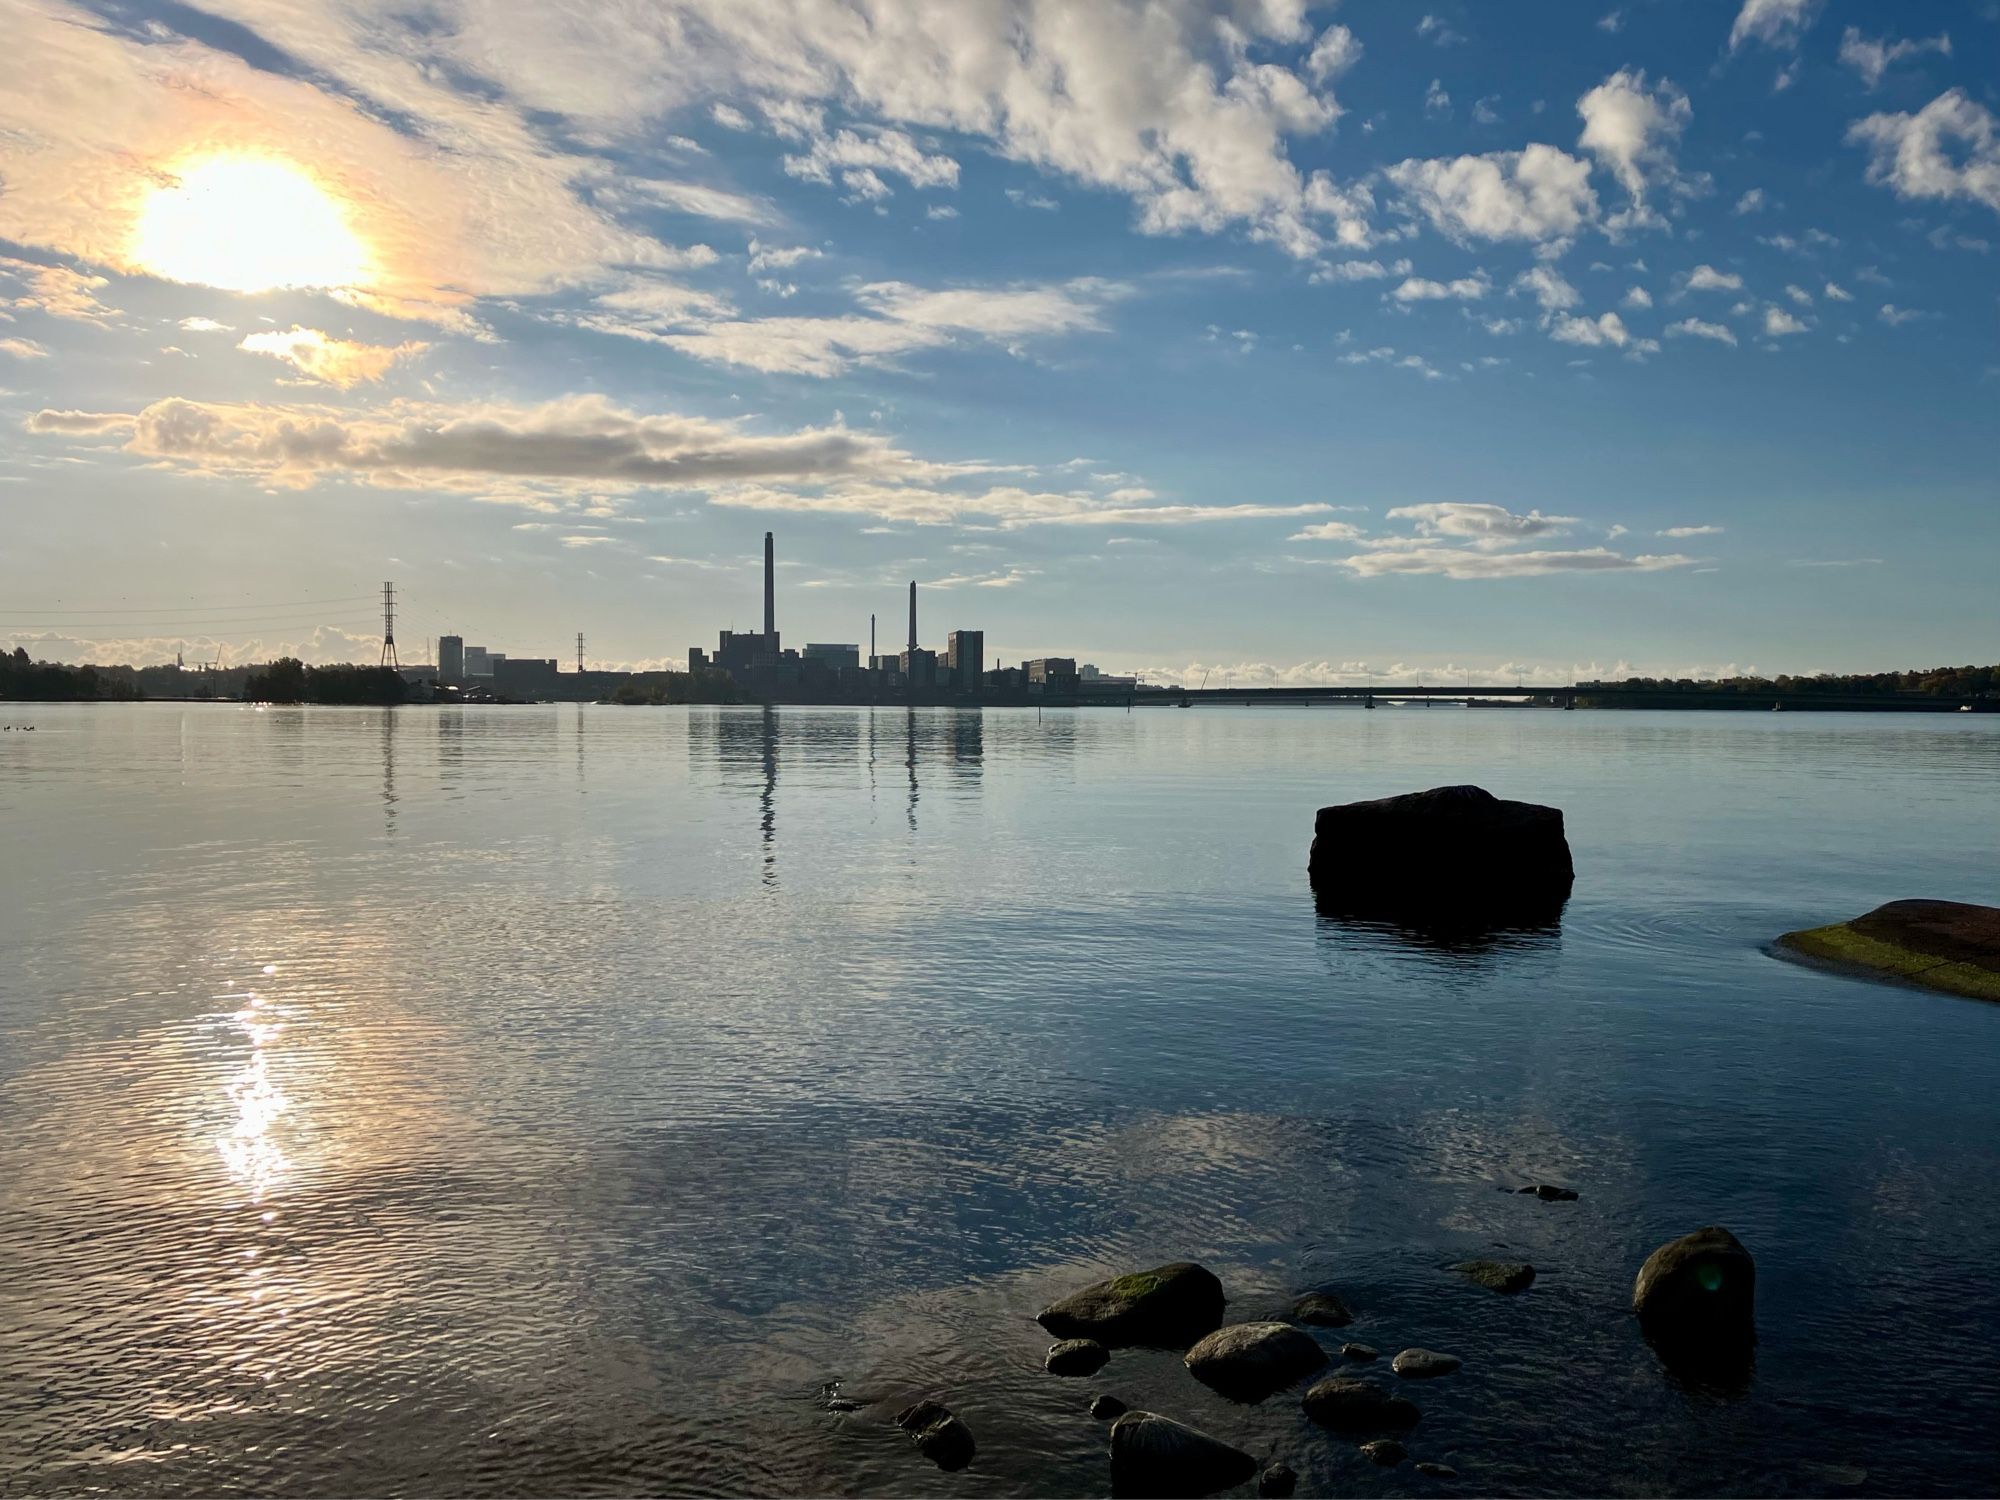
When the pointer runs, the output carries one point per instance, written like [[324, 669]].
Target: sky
[[1277, 341]]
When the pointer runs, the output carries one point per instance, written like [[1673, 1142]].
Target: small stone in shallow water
[[1249, 1361], [940, 1436], [1076, 1357], [1359, 1351], [1323, 1310], [1277, 1481], [1104, 1408], [1548, 1192], [1498, 1275], [1436, 1471], [1349, 1405], [1385, 1451], [1424, 1364], [1155, 1455]]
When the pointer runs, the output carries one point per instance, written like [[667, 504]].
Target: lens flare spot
[[247, 224], [1709, 1277]]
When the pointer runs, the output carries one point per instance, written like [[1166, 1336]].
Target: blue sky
[[1289, 342]]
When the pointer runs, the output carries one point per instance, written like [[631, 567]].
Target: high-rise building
[[965, 660], [451, 656], [478, 661]]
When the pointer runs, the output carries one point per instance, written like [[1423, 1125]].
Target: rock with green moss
[[1168, 1307], [1940, 945]]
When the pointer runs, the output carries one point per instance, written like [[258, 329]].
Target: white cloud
[[1453, 562], [1835, 293], [729, 117], [1638, 298], [1950, 149], [1872, 58], [1435, 30], [1537, 194], [859, 159], [1479, 522], [1751, 202], [57, 291], [331, 361], [1606, 331], [24, 349], [1678, 532], [1632, 129], [1333, 54], [205, 325], [1464, 289], [1775, 23], [1896, 316], [1328, 531], [1778, 323], [1356, 270], [1705, 278], [1437, 103], [778, 258], [1696, 328], [1549, 289]]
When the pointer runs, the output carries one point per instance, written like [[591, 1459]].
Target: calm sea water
[[537, 1100]]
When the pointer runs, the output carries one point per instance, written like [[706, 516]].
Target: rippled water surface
[[536, 1100]]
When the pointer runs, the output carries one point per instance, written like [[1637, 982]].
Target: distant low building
[[1051, 673], [834, 656], [525, 677]]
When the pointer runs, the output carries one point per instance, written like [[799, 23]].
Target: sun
[[247, 224]]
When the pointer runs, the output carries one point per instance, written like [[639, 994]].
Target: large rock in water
[[1168, 1307], [1155, 1455], [1941, 945], [1696, 1298], [1248, 1361], [1451, 854], [1349, 1405]]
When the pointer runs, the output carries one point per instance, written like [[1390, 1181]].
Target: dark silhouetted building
[[451, 657], [965, 660], [835, 656]]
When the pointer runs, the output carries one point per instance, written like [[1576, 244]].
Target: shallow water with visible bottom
[[576, 1100]]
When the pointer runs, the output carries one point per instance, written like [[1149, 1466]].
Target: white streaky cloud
[[59, 291], [863, 157], [1464, 563], [1638, 298], [1328, 531], [331, 361], [1775, 23], [1005, 580], [1479, 521], [1680, 532], [205, 325], [1705, 278], [1631, 128], [1871, 58], [1719, 333], [1837, 293], [1949, 149], [1547, 286], [697, 199], [1896, 316], [576, 541], [1538, 194], [24, 349], [778, 257], [1355, 270], [1799, 295], [1463, 289], [1751, 202], [1437, 103], [1333, 54], [729, 117]]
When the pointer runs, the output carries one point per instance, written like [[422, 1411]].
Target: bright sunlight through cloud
[[247, 224]]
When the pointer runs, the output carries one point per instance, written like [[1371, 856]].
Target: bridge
[[1518, 695]]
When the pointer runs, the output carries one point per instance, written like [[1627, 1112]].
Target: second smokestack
[[770, 587], [913, 614]]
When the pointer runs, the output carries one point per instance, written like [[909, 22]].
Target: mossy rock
[[1939, 945], [1168, 1307]]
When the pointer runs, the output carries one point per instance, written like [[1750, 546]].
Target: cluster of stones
[[1694, 1298]]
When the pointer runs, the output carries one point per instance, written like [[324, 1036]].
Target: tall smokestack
[[913, 614], [770, 587], [871, 640]]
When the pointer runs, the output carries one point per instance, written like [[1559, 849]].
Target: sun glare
[[247, 224]]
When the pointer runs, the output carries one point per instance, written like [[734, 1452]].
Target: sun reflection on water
[[251, 1150]]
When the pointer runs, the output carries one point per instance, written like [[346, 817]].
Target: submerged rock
[[1277, 1481], [1104, 1408], [1348, 1405], [1322, 1310], [1359, 1351], [1167, 1307], [1548, 1192], [1424, 1364], [1248, 1361], [1696, 1297], [940, 1436], [1498, 1275], [1436, 1471], [1076, 1357], [1448, 853], [1385, 1451], [1941, 945], [1155, 1455]]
